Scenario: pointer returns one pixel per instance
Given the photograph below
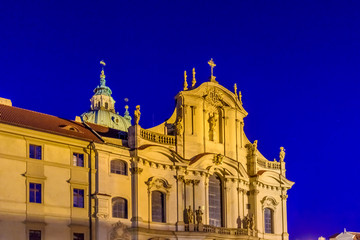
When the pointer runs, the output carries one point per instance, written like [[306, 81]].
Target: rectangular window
[[34, 151], [35, 192], [78, 159], [79, 198], [79, 236], [34, 235]]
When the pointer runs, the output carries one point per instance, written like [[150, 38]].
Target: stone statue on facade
[[178, 126], [190, 215], [252, 222], [137, 114], [240, 97], [246, 222], [282, 154], [212, 121], [238, 222], [199, 214], [254, 147]]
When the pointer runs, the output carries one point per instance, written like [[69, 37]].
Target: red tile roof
[[45, 123], [106, 131]]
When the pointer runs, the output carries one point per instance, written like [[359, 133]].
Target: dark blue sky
[[296, 63]]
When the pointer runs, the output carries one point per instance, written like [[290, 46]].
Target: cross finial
[[212, 65]]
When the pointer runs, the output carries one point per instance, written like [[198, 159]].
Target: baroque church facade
[[195, 176]]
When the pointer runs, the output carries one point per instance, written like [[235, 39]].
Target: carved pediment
[[269, 202], [158, 183]]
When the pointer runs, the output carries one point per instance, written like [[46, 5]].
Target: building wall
[[57, 177]]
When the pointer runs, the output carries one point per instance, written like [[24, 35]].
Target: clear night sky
[[296, 62]]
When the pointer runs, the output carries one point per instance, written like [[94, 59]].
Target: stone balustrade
[[219, 230], [157, 137], [268, 164]]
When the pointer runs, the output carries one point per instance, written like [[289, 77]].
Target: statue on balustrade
[[252, 222], [246, 222], [282, 154], [190, 215], [238, 222], [199, 214], [137, 114], [254, 147]]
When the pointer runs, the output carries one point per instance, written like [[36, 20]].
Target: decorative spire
[[102, 75], [240, 97], [235, 90], [127, 114], [185, 81], [212, 65], [193, 79]]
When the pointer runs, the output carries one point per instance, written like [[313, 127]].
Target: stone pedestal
[[180, 226], [191, 227], [200, 227]]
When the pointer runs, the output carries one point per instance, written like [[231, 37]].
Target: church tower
[[102, 109]]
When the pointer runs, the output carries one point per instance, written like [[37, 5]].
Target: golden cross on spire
[[212, 65]]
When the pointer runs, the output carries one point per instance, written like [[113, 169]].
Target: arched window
[[268, 218], [215, 201], [118, 167], [106, 105], [158, 206], [119, 208]]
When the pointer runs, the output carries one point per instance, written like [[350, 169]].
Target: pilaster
[[285, 235], [135, 172], [180, 226]]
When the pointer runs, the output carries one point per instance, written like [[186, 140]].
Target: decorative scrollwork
[[218, 159], [158, 183], [269, 202], [119, 231]]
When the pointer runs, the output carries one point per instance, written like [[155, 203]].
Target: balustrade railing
[[219, 230], [157, 137], [268, 164]]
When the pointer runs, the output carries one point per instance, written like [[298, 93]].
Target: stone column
[[135, 172], [233, 200], [257, 213], [285, 235], [206, 182], [241, 206], [180, 202]]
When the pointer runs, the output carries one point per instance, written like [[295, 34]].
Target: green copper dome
[[102, 109]]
